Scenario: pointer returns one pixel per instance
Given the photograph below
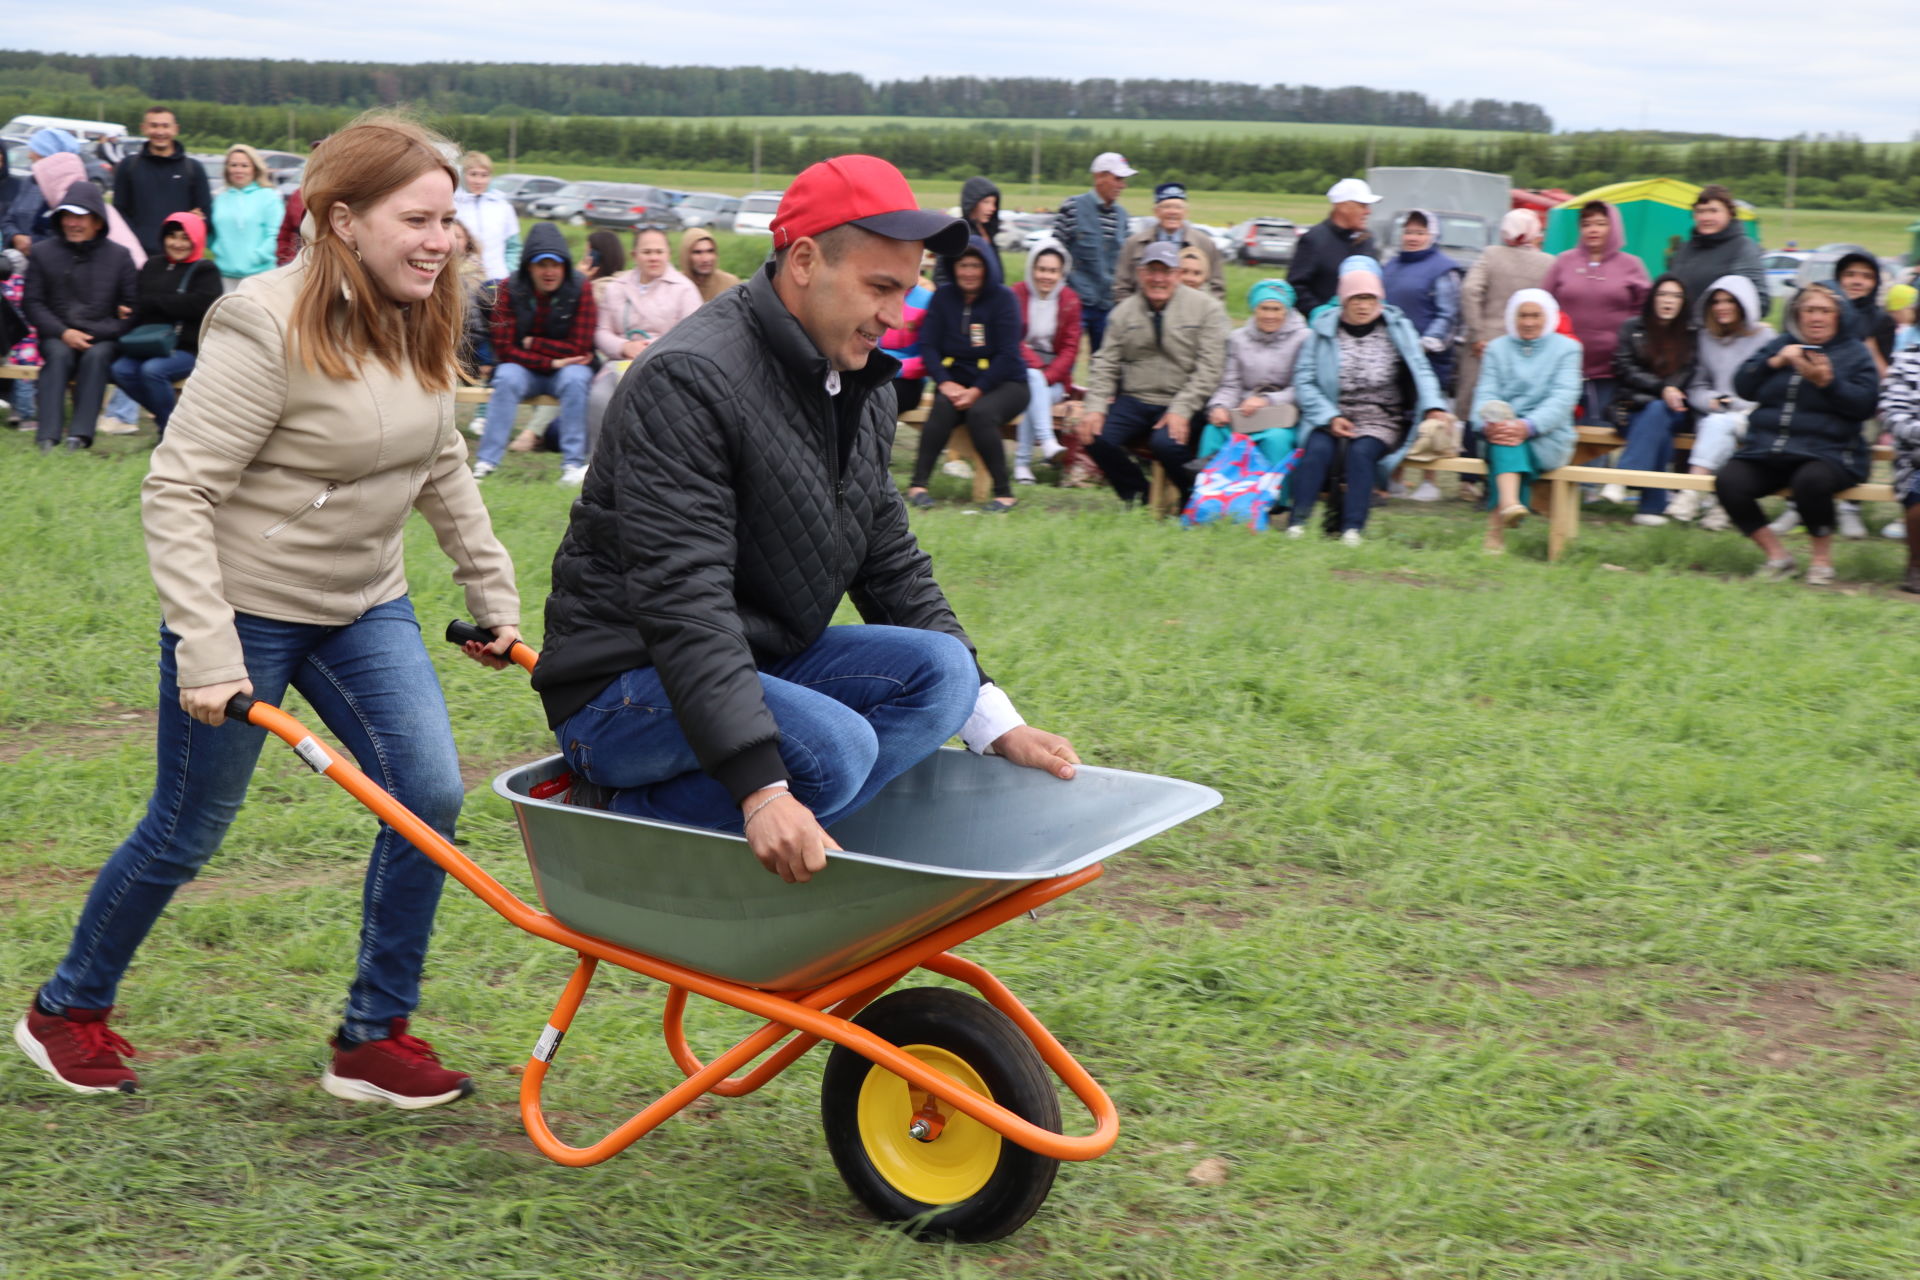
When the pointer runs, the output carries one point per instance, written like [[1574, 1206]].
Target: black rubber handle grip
[[459, 631], [238, 706]]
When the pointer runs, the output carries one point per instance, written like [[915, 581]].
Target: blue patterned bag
[[1237, 486]]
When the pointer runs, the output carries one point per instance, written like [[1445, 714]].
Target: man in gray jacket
[[1166, 347]]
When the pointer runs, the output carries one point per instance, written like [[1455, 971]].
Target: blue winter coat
[[1541, 380], [1316, 379]]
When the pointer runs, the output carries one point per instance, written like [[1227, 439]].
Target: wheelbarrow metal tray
[[949, 836]]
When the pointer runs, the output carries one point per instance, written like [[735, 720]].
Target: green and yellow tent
[[1657, 214]]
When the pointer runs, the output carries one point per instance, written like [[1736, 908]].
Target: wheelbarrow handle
[[460, 631]]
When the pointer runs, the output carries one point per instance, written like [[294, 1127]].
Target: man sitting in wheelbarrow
[[739, 490]]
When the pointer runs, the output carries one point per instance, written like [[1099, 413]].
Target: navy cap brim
[[943, 234]]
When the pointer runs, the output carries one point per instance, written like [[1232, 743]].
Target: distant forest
[[520, 88]]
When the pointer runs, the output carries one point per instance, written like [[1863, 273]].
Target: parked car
[[1264, 240], [1781, 266], [522, 189], [630, 204], [756, 213], [285, 168], [564, 205], [703, 208], [723, 220], [1021, 231], [215, 166]]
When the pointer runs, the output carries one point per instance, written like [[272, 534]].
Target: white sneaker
[[573, 477], [1351, 538], [1787, 521], [1649, 519], [1851, 526], [1895, 532], [1427, 492], [481, 470], [1613, 493], [114, 427], [1296, 531], [1023, 474], [1051, 449], [478, 427], [957, 469], [1716, 520], [1684, 505], [1395, 489]]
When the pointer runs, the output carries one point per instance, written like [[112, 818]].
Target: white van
[[756, 213], [22, 127]]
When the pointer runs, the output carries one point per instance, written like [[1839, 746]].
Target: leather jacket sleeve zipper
[[318, 501]]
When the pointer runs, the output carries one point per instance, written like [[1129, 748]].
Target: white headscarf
[[1519, 227], [1547, 304]]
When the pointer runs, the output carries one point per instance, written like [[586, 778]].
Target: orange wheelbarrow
[[937, 1105]]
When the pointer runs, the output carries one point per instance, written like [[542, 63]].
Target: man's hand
[[1342, 427], [1088, 426], [784, 835], [76, 339], [207, 703], [493, 655], [1037, 749], [1176, 425]]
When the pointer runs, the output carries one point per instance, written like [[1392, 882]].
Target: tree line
[[457, 88]]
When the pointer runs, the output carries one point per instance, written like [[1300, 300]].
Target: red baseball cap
[[869, 193]]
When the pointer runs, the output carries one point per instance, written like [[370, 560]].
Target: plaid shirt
[[538, 352]]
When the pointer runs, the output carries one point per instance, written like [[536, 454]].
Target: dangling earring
[[346, 290]]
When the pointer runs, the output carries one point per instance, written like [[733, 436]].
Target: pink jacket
[[1598, 297], [628, 308]]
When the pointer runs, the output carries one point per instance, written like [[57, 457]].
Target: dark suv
[[630, 205]]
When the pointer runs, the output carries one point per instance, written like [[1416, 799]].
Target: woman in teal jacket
[[1529, 385], [1362, 383], [246, 219]]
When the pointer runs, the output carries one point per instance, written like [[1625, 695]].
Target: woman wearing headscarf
[[1652, 365], [1524, 400], [1050, 310], [1600, 287], [246, 219], [173, 292], [1731, 329], [1362, 383], [1514, 264], [1256, 396]]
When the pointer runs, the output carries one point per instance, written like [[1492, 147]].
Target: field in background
[[855, 126]]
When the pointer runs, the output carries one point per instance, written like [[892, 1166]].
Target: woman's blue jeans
[[150, 382], [856, 709], [374, 688], [1650, 448], [1320, 459]]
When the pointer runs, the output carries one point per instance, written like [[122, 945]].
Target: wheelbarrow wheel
[[966, 1182]]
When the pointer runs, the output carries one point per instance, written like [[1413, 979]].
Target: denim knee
[[953, 671], [831, 764]]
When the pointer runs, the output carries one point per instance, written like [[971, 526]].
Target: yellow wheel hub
[[952, 1166]]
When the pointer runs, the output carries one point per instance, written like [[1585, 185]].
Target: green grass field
[[1558, 924]]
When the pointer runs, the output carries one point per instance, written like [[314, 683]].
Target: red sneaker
[[78, 1050], [402, 1070]]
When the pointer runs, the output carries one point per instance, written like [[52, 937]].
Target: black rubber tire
[[988, 1041]]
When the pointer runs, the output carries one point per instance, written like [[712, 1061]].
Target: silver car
[[566, 204]]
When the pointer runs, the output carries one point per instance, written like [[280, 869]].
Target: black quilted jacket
[[731, 504]]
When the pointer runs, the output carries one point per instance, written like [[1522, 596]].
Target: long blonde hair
[[261, 176], [342, 317]]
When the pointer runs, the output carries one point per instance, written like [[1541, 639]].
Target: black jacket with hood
[[951, 324], [1793, 416], [1702, 259], [972, 192], [1636, 382], [1874, 321], [148, 189], [79, 286], [732, 503]]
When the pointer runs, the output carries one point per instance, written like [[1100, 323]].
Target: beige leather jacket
[[282, 493]]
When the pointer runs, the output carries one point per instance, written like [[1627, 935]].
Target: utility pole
[[513, 142], [1369, 163], [756, 158], [290, 129], [1793, 153], [1035, 183]]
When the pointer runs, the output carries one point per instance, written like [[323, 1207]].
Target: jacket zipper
[[1786, 414], [318, 501]]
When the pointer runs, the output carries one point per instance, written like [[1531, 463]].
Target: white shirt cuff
[[993, 715]]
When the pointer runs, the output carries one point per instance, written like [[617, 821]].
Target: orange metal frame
[[823, 1013]]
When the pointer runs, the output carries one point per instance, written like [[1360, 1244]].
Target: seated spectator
[[1813, 390], [637, 307], [53, 173], [1720, 246], [1900, 414], [970, 339], [1193, 268], [1169, 226], [1050, 316], [1321, 250], [903, 343], [1256, 386], [700, 263], [1164, 351], [25, 352], [1652, 365], [1731, 330], [1599, 287], [1528, 390], [476, 349], [246, 219], [1362, 383], [488, 216], [174, 288], [80, 290], [606, 258], [1858, 275], [980, 207], [543, 335]]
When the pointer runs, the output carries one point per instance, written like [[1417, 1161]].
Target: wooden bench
[[1597, 442], [1163, 498]]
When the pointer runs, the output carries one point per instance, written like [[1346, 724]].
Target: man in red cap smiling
[[739, 490]]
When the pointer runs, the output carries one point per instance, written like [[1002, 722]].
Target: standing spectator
[[159, 180], [175, 287], [1652, 366], [286, 245], [1256, 385], [1318, 254], [543, 333], [971, 341], [1900, 414], [636, 309], [20, 207], [700, 263], [980, 210], [1719, 247], [1169, 226], [1425, 284], [1092, 227], [488, 217], [1528, 389], [80, 291], [1600, 287], [1813, 390], [246, 219], [903, 341], [1858, 275], [1050, 317], [1514, 264], [1731, 330], [1168, 350], [1362, 383]]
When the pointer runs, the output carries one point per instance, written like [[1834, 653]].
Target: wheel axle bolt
[[920, 1131]]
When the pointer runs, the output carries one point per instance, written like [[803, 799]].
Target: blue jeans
[[856, 709], [1596, 397], [513, 383], [150, 382], [1093, 323], [374, 688], [1319, 459], [1128, 422], [1650, 448]]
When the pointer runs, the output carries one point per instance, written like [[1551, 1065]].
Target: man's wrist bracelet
[[754, 812]]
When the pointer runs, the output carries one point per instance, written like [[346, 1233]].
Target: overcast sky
[[1761, 67]]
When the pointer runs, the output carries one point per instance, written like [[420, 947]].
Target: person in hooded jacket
[[1528, 389], [1730, 328], [1256, 396], [175, 288], [1899, 412], [80, 291], [54, 174], [1599, 287], [1362, 384], [1050, 318], [971, 341], [1858, 275], [1425, 284], [1719, 246], [699, 262], [1813, 390], [246, 218], [29, 218], [980, 210], [1652, 365], [20, 206], [543, 335], [637, 308]]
